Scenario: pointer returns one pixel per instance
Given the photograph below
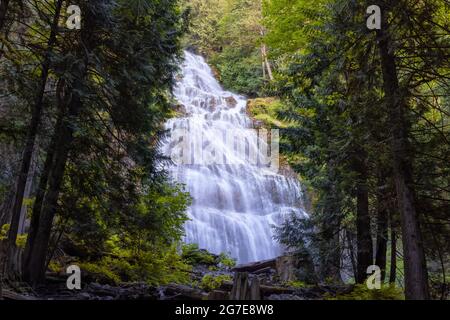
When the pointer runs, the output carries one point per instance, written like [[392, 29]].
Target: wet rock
[[181, 109], [231, 102]]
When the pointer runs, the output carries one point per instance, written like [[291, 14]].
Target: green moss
[[226, 261], [4, 232], [193, 255], [266, 110], [21, 238], [55, 266], [297, 284], [210, 282], [361, 292]]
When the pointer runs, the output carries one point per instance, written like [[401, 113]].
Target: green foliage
[[290, 24], [55, 266], [193, 255], [210, 282], [361, 292], [226, 261], [328, 75], [137, 247], [21, 238], [238, 71], [296, 284], [267, 111], [99, 272], [4, 232], [156, 267], [115, 208], [228, 33]]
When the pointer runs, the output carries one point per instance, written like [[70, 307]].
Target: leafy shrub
[[99, 272], [155, 267], [226, 261], [193, 255], [266, 110], [210, 282]]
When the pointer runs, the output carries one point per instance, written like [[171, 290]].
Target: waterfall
[[236, 200]]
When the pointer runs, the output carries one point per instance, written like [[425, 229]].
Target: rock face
[[181, 109]]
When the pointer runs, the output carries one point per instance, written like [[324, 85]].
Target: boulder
[[231, 102]]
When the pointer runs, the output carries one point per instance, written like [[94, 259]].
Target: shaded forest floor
[[275, 279]]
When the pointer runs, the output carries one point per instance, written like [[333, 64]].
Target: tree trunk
[[364, 245], [39, 237], [351, 251], [36, 259], [266, 62], [329, 251], [382, 227], [27, 193], [30, 140], [393, 268], [416, 277], [37, 207], [39, 199]]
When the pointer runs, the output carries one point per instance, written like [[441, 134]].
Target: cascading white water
[[235, 203]]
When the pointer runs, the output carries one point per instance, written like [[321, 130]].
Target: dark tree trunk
[[30, 139], [416, 277], [351, 251], [37, 207], [63, 139], [393, 225], [363, 237], [393, 268], [39, 199], [37, 249], [330, 254], [364, 247], [3, 10], [382, 226]]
